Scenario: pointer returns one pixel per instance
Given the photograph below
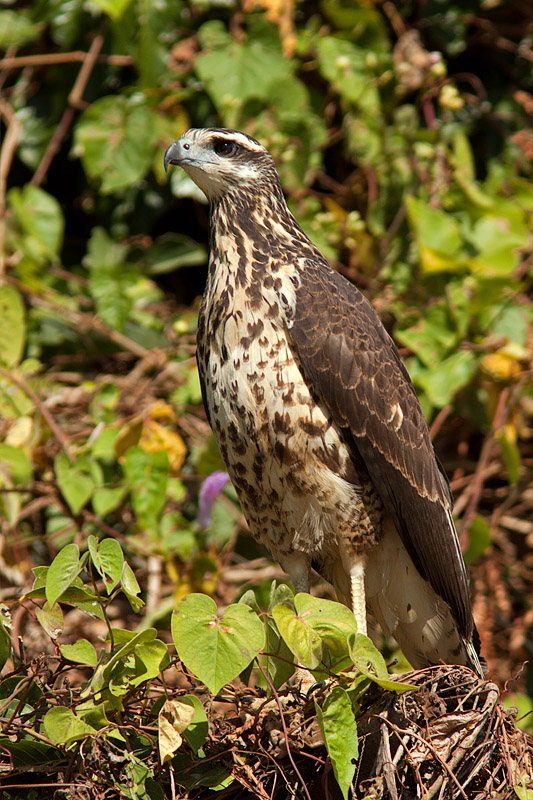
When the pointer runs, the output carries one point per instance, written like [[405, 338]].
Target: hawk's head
[[220, 160]]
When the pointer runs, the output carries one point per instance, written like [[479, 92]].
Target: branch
[[74, 100], [9, 146]]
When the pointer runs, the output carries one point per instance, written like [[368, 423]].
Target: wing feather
[[354, 368]]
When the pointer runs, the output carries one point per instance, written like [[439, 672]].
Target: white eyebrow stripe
[[230, 136]]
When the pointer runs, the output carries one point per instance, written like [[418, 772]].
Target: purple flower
[[211, 488]]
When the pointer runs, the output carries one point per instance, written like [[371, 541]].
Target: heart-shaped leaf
[[339, 732], [216, 649]]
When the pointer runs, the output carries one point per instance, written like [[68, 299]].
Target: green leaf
[[63, 570], [479, 539], [172, 251], [82, 652], [216, 649], [115, 139], [17, 28], [150, 659], [5, 645], [40, 221], [148, 475], [27, 753], [113, 8], [110, 295], [105, 253], [369, 662], [432, 336], [15, 464], [65, 20], [442, 383], [511, 456], [110, 278], [51, 619], [198, 729], [108, 559], [512, 322], [345, 66], [316, 631], [104, 673], [12, 326], [302, 641], [522, 791], [62, 726], [76, 481], [131, 588], [497, 242], [279, 661], [234, 73], [438, 237], [339, 732], [106, 499]]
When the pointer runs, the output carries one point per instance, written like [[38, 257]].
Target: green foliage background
[[403, 137]]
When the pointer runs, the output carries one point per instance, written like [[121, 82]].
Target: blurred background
[[403, 136]]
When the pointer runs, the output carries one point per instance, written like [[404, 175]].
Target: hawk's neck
[[253, 233]]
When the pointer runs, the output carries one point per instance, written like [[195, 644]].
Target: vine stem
[[21, 384]]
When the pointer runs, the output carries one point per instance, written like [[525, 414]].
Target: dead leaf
[[173, 719]]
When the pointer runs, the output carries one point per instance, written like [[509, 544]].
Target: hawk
[[316, 417]]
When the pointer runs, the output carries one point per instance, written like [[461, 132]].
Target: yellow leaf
[[510, 432], [500, 366], [433, 261], [173, 718], [338, 211], [161, 410], [128, 436], [157, 437], [281, 13], [21, 432]]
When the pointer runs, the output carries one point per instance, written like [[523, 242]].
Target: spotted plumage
[[316, 417]]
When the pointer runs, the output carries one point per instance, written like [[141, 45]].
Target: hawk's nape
[[316, 417]]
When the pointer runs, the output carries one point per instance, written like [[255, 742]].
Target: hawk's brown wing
[[356, 373]]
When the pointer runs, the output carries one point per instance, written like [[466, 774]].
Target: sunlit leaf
[[316, 631], [216, 649], [12, 326], [438, 236], [113, 8], [115, 139], [51, 619], [173, 718], [150, 659], [369, 662], [15, 466], [40, 220], [108, 558], [82, 652], [63, 570], [17, 28], [62, 726]]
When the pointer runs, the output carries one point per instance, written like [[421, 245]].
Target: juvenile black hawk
[[316, 417]]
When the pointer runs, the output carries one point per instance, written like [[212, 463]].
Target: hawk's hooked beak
[[176, 153]]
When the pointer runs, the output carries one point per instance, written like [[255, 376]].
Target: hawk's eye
[[224, 148]]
